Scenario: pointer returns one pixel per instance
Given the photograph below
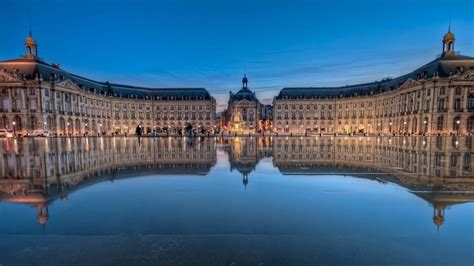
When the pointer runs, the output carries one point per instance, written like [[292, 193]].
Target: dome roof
[[30, 41], [449, 36], [244, 94]]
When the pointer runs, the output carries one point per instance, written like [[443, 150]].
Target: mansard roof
[[32, 68], [444, 66], [243, 94]]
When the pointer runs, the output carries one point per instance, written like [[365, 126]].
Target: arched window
[[49, 123], [5, 122], [33, 122], [470, 125], [440, 123], [17, 125], [456, 123], [414, 126], [425, 125]]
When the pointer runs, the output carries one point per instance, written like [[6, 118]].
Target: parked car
[[39, 133], [6, 133]]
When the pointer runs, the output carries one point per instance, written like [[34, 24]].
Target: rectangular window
[[442, 91], [457, 105], [457, 91]]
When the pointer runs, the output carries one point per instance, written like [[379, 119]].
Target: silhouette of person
[[138, 131]]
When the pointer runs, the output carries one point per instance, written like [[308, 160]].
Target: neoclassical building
[[437, 98], [38, 95], [244, 113]]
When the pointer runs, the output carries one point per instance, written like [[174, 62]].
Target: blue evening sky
[[209, 43]]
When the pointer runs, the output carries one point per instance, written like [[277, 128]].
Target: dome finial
[[245, 81], [448, 41], [30, 44]]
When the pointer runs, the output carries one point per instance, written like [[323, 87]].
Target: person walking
[[138, 131]]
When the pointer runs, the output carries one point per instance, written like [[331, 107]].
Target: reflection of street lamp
[[457, 126], [14, 127]]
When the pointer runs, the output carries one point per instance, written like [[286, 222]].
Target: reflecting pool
[[237, 201]]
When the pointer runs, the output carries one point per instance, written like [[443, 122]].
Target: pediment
[[68, 84], [7, 77], [467, 75], [409, 83]]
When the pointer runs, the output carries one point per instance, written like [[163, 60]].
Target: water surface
[[237, 201]]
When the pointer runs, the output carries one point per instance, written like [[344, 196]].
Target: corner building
[[38, 95], [435, 99]]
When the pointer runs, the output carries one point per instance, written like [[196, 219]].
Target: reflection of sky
[[208, 43], [343, 212]]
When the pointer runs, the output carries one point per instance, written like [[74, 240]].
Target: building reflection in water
[[37, 172]]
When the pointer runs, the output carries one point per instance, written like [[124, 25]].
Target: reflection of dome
[[245, 180], [438, 220], [42, 218]]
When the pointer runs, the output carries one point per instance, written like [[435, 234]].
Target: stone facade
[[437, 98], [37, 95], [244, 113]]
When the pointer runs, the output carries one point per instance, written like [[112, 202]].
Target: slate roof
[[243, 94], [31, 68], [443, 66]]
